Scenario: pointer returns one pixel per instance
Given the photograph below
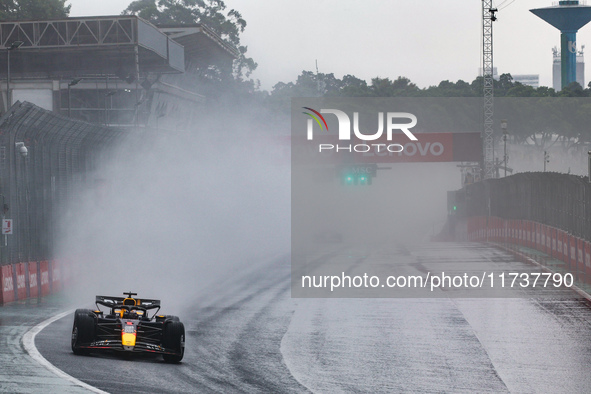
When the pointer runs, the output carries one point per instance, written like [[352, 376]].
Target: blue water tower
[[567, 16]]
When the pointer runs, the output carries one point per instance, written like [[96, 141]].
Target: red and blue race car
[[128, 328]]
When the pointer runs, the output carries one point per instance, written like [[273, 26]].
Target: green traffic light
[[354, 179], [455, 208]]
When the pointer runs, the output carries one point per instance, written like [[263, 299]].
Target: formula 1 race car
[[128, 328]]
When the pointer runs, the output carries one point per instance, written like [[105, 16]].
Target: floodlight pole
[[504, 128], [8, 100]]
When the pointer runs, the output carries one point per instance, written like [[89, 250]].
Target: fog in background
[[171, 213], [404, 205]]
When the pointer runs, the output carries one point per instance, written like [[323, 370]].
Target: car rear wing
[[111, 302]]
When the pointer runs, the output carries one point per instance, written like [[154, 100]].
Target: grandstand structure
[[109, 70]]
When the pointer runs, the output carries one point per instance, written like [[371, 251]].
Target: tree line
[[309, 84], [536, 118]]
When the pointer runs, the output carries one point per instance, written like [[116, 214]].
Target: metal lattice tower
[[488, 17]]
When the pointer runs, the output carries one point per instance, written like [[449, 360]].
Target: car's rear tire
[[171, 318], [83, 330], [173, 338]]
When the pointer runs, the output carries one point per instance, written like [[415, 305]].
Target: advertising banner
[[7, 283]]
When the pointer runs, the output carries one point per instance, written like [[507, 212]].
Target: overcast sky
[[427, 41]]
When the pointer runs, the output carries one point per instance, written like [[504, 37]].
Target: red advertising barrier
[[572, 251], [549, 240], [575, 252], [515, 231], [44, 272], [529, 231], [476, 229], [566, 248], [7, 283], [580, 255], [33, 279], [56, 277], [21, 281], [510, 230], [496, 228], [554, 233]]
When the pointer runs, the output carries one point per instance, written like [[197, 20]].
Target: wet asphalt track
[[250, 336]]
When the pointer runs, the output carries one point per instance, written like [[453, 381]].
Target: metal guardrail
[[61, 155], [558, 200]]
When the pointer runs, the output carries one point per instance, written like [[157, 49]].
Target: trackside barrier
[[21, 281], [7, 283], [44, 272], [33, 279], [55, 276], [559, 244]]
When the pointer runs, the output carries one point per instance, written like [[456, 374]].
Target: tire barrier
[[32, 279], [558, 244]]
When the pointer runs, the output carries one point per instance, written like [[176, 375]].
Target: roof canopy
[[89, 46]]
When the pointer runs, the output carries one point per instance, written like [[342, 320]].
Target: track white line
[[29, 345]]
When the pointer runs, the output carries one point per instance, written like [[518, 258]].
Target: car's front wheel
[[83, 330], [173, 339]]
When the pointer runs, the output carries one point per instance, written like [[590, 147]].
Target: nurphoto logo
[[390, 119]]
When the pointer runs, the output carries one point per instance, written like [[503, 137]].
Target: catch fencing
[[561, 201], [61, 157]]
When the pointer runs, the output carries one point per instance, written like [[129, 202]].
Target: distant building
[[556, 68], [532, 80]]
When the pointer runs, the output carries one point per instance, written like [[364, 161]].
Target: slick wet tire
[[171, 318], [173, 339], [83, 330]]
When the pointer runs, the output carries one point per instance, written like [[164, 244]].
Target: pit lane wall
[[32, 279], [575, 252]]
